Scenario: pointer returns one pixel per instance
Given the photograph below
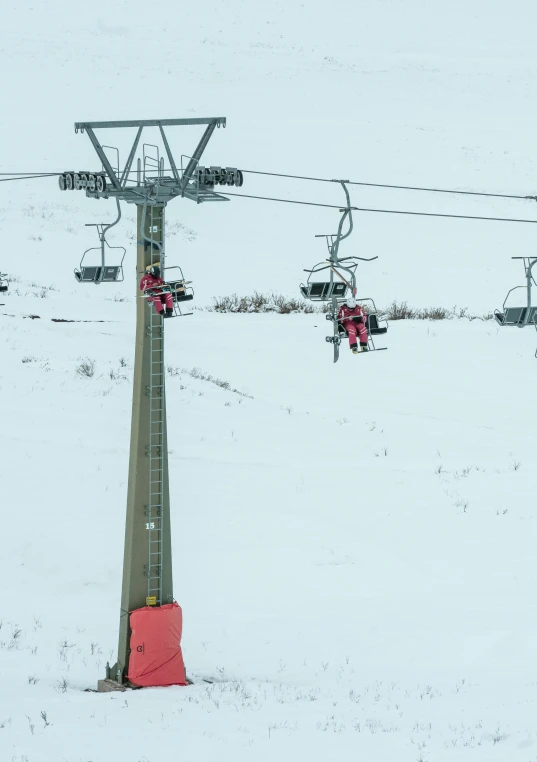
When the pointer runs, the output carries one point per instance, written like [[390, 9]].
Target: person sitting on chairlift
[[151, 282], [353, 318]]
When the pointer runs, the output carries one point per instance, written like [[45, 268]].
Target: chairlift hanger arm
[[106, 226], [347, 212], [115, 222], [528, 269]]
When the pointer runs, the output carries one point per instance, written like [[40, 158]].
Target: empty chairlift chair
[[103, 271], [98, 273], [519, 314]]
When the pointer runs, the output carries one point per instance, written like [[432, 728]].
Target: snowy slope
[[353, 544]]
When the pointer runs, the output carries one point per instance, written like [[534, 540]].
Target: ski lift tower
[[147, 567]]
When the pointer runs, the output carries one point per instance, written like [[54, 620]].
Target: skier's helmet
[[154, 270], [351, 302]]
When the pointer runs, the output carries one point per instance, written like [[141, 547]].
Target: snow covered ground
[[354, 544]]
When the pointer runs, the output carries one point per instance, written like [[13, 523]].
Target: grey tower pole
[[147, 566]]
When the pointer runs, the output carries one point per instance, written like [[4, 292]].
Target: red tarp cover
[[156, 657]]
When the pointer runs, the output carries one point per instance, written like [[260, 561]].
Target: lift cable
[[382, 211], [32, 175], [26, 177], [393, 187], [337, 206]]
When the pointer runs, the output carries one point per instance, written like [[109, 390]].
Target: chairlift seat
[[515, 316], [321, 292], [93, 274], [372, 325], [3, 288]]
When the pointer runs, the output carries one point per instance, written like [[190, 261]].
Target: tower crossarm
[[218, 121]]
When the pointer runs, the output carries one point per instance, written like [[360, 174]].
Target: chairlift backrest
[[93, 274], [111, 274], [324, 291], [516, 316]]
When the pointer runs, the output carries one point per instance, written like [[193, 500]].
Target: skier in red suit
[[151, 281], [353, 318]]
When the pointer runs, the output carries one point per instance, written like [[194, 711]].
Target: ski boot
[[364, 347], [354, 349], [169, 312]]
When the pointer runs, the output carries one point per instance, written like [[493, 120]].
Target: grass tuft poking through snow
[[402, 311], [282, 305], [257, 302], [198, 374], [86, 368]]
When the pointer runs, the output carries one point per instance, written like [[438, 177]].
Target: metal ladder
[[157, 423]]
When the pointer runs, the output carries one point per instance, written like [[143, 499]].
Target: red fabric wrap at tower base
[[155, 658]]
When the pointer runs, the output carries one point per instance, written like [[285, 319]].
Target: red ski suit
[[148, 282], [354, 323]]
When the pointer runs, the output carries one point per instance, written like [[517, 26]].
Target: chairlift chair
[[342, 279], [178, 287], [103, 272], [181, 290], [3, 282], [372, 323], [519, 315], [337, 292]]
